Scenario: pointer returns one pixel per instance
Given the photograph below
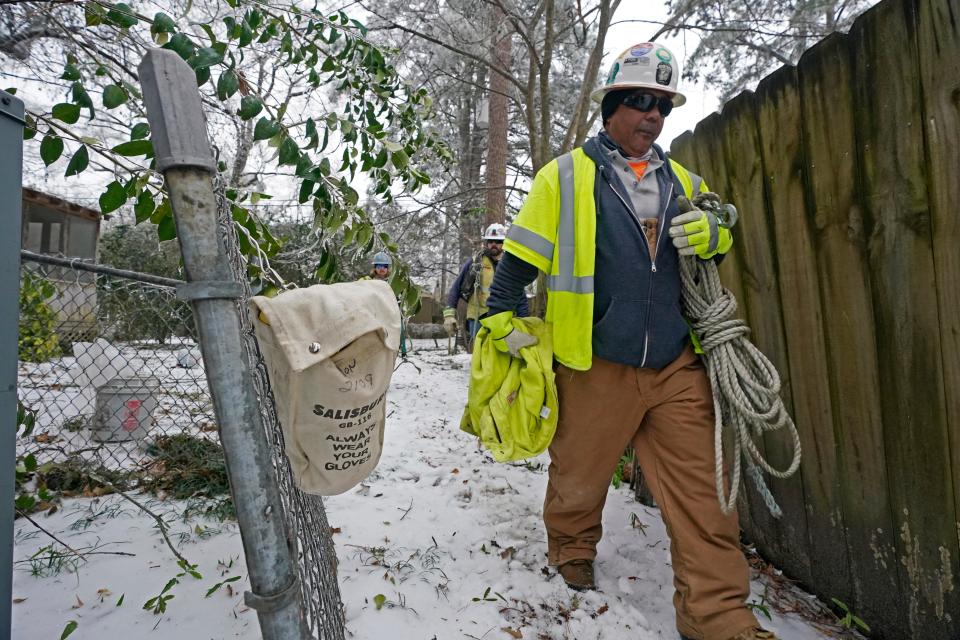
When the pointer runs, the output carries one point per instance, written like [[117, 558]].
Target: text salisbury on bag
[[330, 352]]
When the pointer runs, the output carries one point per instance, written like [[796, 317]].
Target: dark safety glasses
[[647, 101]]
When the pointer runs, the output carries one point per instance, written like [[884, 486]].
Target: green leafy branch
[[158, 603], [379, 132]]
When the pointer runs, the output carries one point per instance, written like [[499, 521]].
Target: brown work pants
[[668, 417]]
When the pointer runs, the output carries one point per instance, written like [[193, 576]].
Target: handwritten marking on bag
[[366, 382], [346, 367]]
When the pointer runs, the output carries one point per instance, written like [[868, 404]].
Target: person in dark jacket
[[472, 285], [604, 225]]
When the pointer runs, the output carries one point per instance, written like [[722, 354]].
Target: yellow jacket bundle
[[512, 404]]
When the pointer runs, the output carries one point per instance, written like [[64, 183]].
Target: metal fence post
[[183, 154], [11, 174]]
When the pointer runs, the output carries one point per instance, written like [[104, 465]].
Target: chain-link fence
[[305, 515], [110, 366]]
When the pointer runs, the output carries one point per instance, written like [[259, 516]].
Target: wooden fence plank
[[708, 161], [888, 107], [828, 126], [786, 538], [938, 37], [704, 156], [781, 142]]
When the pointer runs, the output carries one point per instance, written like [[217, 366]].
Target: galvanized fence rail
[[11, 176]]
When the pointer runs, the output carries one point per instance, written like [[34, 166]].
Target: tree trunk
[[496, 176], [471, 141]]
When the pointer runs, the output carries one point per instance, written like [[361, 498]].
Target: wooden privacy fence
[[846, 171]]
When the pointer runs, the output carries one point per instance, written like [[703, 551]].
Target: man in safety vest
[[473, 284], [599, 222]]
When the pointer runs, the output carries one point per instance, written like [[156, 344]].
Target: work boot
[[578, 574], [757, 633]]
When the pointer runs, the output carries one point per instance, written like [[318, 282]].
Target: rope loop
[[746, 385]]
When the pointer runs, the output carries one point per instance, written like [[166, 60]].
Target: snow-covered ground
[[441, 542]]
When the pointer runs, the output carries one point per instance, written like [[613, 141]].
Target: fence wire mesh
[[306, 517], [111, 366]]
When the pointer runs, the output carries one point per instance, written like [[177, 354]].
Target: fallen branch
[[64, 544], [88, 553], [161, 524]]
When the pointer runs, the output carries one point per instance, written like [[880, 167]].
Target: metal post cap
[[177, 125]]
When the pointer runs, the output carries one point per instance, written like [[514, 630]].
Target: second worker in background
[[472, 287]]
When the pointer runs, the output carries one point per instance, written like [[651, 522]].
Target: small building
[[53, 226], [431, 310]]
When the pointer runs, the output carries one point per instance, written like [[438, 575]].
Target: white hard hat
[[495, 231], [646, 65]]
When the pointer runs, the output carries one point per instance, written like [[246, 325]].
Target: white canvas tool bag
[[330, 351]]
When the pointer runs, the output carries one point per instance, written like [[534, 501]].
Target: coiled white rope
[[746, 386]]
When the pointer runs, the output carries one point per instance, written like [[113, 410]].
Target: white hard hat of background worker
[[495, 231], [381, 266], [646, 65]]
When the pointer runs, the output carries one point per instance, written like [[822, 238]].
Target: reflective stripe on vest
[[531, 240], [696, 183], [564, 280], [692, 183]]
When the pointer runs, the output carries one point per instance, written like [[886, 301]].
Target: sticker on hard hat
[[641, 49], [664, 73], [613, 73], [664, 55], [644, 61], [629, 61]]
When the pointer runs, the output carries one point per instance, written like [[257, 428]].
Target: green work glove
[[505, 336], [450, 321], [700, 231]]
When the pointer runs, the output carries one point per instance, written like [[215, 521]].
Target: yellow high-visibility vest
[[477, 303], [555, 231]]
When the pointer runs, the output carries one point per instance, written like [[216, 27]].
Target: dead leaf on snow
[[79, 602], [19, 600], [515, 633]]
